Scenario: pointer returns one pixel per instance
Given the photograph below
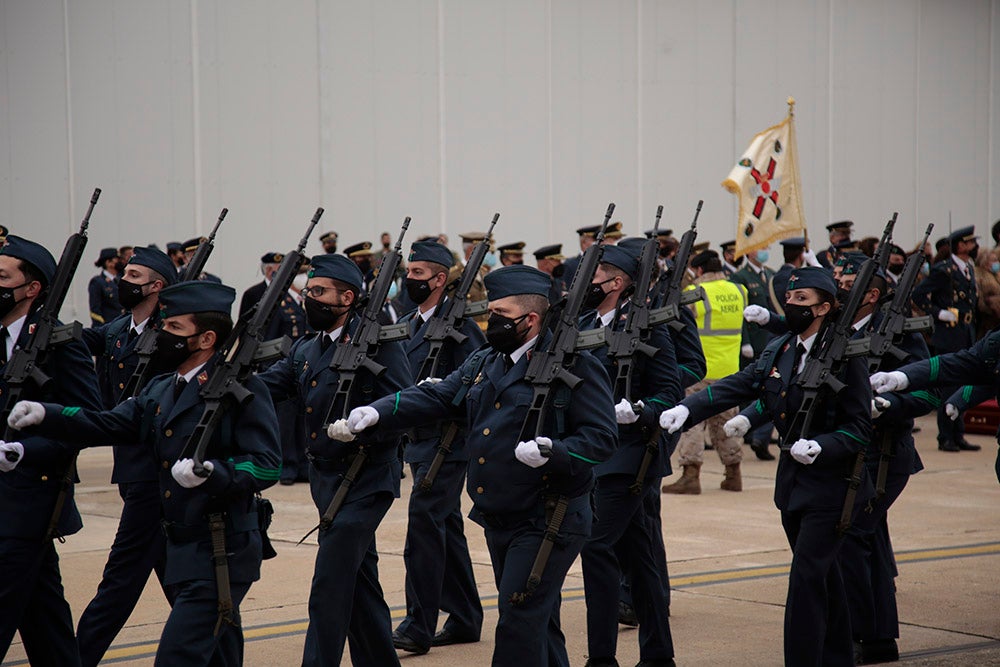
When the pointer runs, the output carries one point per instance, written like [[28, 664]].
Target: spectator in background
[[988, 289], [103, 289], [175, 251], [329, 241]]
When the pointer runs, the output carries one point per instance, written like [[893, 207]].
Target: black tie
[[324, 343], [4, 334], [132, 334], [800, 351], [179, 387], [508, 363]]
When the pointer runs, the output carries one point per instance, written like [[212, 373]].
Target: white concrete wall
[[449, 110]]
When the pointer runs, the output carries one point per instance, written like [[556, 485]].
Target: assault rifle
[[196, 266], [446, 325], [669, 297], [354, 355]]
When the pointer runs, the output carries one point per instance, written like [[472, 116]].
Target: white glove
[[673, 419], [810, 258], [879, 405], [25, 414], [14, 450], [358, 420], [625, 414], [529, 454], [183, 473], [805, 451], [756, 315], [737, 427], [947, 316], [883, 383], [428, 381], [746, 351], [951, 411]]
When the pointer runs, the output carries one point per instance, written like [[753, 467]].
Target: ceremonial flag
[[766, 180]]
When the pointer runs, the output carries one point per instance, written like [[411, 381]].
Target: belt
[[179, 533], [335, 464], [508, 520]]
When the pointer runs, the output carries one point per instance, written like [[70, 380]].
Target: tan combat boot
[[733, 480], [688, 483]]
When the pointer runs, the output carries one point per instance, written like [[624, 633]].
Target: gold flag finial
[[791, 105]]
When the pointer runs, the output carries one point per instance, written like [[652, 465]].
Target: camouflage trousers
[[691, 447]]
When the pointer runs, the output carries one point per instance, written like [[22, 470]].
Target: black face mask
[[738, 261], [665, 252], [120, 267], [974, 252], [520, 262], [556, 272], [130, 294], [842, 295], [896, 268], [322, 316], [595, 295], [172, 349], [418, 290], [502, 334], [7, 299], [798, 317], [330, 249], [385, 245], [365, 265]]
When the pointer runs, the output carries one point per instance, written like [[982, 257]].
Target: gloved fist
[[810, 258], [428, 382], [25, 414], [951, 411], [746, 351], [183, 472], [625, 413], [534, 453], [883, 383], [11, 454], [358, 420], [805, 451], [737, 427], [947, 316], [756, 315], [673, 419], [879, 405]]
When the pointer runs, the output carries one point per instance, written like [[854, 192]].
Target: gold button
[[168, 432], [782, 415], [121, 385], [45, 478], [782, 394], [486, 431], [479, 489], [497, 405], [313, 383], [121, 365], [545, 477], [166, 464], [481, 460], [312, 435], [309, 409], [166, 494]]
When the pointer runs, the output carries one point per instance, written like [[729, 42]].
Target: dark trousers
[[291, 430], [438, 567], [139, 548], [346, 604], [651, 507], [32, 603], [188, 637], [817, 623], [528, 634], [949, 430], [622, 531]]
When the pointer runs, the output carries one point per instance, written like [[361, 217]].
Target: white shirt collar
[[191, 373], [807, 343], [14, 331], [424, 316], [107, 274], [729, 266], [140, 326], [334, 335], [607, 317], [863, 322], [961, 263], [519, 352]]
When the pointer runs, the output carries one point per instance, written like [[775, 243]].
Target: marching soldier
[[512, 253], [948, 295], [175, 251], [269, 263], [549, 260], [840, 237], [438, 567], [139, 546], [190, 248], [204, 624], [514, 485], [103, 289], [478, 290], [587, 236], [31, 593], [346, 603], [621, 528]]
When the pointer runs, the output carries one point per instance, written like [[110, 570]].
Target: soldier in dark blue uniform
[[190, 247], [730, 264], [438, 567], [139, 546], [513, 485], [345, 602], [588, 235], [243, 458], [31, 594], [269, 263], [812, 476], [549, 259], [511, 253], [102, 290], [948, 295], [621, 528], [840, 236]]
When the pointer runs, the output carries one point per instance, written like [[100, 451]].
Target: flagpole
[[791, 129]]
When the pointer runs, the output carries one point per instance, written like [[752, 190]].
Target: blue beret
[[963, 234], [155, 259], [814, 277], [271, 258], [852, 263], [622, 259], [517, 279], [632, 244], [794, 242], [174, 246], [106, 254], [431, 251], [32, 253], [196, 296], [337, 267]]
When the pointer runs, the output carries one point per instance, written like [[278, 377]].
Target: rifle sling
[[443, 449], [65, 485], [652, 447], [217, 529], [854, 483], [555, 510]]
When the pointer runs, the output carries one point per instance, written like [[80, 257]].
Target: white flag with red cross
[[766, 180]]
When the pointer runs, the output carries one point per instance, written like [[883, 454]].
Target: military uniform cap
[[703, 258], [553, 251], [192, 244], [472, 236], [337, 267], [3, 232], [852, 263], [431, 251], [271, 258], [614, 231], [32, 253], [846, 245], [157, 260], [840, 224], [814, 277], [728, 245], [512, 248], [896, 250], [327, 236], [963, 234], [427, 237], [661, 232], [589, 230], [700, 247], [174, 246], [621, 258], [994, 231], [632, 244], [794, 242], [517, 279], [106, 254], [359, 249], [196, 296]]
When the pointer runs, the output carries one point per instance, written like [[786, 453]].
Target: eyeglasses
[[317, 291]]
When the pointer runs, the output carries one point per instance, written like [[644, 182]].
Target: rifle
[[671, 297], [145, 344], [547, 367], [447, 325], [354, 355], [24, 368]]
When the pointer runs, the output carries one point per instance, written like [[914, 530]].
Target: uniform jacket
[[102, 292], [289, 319], [947, 287], [756, 283], [251, 296], [978, 366]]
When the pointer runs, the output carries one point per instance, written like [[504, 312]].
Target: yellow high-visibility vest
[[719, 314]]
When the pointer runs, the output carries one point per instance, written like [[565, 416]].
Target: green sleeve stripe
[[709, 390], [759, 407], [927, 397], [935, 363], [70, 412], [967, 393], [851, 435], [656, 400], [395, 407], [266, 474], [583, 458], [688, 371]]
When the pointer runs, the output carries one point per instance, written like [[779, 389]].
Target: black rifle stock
[[198, 261], [672, 298]]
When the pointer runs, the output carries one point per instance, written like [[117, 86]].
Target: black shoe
[[601, 662], [626, 615], [874, 651], [446, 637], [284, 481], [948, 446], [760, 449], [967, 446], [404, 643], [669, 662]]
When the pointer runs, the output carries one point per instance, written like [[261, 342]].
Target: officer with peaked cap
[[839, 232], [588, 234], [478, 290], [346, 603], [102, 290], [438, 566], [269, 263], [139, 546], [329, 241], [730, 263], [190, 248], [242, 459], [31, 593], [514, 484], [549, 259], [511, 253]]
